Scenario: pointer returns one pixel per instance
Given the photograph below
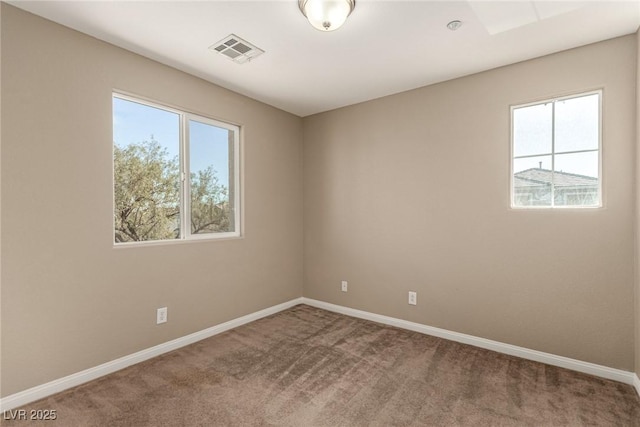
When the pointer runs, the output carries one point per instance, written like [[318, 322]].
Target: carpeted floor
[[310, 367]]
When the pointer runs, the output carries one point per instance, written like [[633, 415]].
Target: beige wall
[[0, 206], [71, 301], [411, 192], [637, 296]]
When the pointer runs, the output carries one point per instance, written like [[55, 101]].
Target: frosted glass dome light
[[326, 15]]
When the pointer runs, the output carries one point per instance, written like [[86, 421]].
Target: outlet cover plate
[[413, 298], [161, 315]]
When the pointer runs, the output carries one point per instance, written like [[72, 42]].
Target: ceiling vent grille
[[236, 49]]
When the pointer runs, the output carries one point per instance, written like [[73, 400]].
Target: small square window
[[556, 153]]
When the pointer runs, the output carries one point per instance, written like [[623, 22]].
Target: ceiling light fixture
[[326, 15]]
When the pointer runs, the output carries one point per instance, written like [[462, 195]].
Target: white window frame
[[553, 153], [185, 172]]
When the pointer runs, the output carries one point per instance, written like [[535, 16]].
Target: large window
[[176, 175], [555, 146]]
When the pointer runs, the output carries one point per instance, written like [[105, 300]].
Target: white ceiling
[[385, 47]]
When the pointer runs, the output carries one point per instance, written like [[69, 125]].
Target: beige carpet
[[310, 367]]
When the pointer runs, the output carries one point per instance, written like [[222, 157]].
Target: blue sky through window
[[209, 145], [134, 122]]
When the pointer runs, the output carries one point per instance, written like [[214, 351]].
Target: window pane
[[577, 123], [532, 180], [532, 130], [146, 172], [211, 169], [576, 179]]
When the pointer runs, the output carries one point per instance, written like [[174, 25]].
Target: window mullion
[[553, 153], [529, 156], [185, 193]]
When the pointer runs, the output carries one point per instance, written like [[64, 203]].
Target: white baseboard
[[56, 386], [525, 353]]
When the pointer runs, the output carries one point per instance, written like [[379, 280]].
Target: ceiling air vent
[[236, 49]]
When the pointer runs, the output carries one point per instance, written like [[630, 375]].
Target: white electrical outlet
[[161, 315], [344, 286], [413, 298]]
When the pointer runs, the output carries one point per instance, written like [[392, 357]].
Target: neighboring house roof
[[537, 176]]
